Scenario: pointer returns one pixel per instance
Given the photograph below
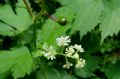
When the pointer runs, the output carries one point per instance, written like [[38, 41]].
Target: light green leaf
[[111, 19], [50, 31], [48, 74], [113, 71], [88, 15], [66, 2], [6, 30], [20, 21], [17, 60]]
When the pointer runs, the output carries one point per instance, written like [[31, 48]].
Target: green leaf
[[88, 15], [20, 21], [48, 74], [6, 30], [4, 75], [91, 65], [17, 60], [109, 45], [50, 31], [111, 19], [112, 71], [65, 2], [79, 11], [91, 42], [65, 75]]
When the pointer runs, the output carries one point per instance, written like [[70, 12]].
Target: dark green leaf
[[48, 74], [112, 71]]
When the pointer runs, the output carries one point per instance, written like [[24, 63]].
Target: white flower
[[50, 55], [69, 55], [67, 65], [78, 48], [49, 52], [63, 41], [76, 56], [80, 63], [69, 51]]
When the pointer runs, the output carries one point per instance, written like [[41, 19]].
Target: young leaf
[[17, 60]]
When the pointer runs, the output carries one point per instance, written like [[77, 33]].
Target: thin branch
[[28, 9]]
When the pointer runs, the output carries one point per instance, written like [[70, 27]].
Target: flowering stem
[[34, 33], [66, 59], [62, 48], [77, 51], [31, 14], [64, 56]]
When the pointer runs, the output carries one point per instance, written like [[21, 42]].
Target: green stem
[[62, 49], [63, 55], [34, 34], [28, 9]]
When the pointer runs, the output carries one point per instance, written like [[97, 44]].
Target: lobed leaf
[[6, 30], [87, 16], [17, 60], [112, 71], [20, 21], [111, 19]]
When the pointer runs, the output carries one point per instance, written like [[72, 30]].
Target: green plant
[[29, 30]]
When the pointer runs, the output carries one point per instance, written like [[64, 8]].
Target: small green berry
[[62, 21]]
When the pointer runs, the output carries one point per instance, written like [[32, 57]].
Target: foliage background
[[95, 24]]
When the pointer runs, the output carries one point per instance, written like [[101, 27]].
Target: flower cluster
[[71, 51], [46, 51]]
